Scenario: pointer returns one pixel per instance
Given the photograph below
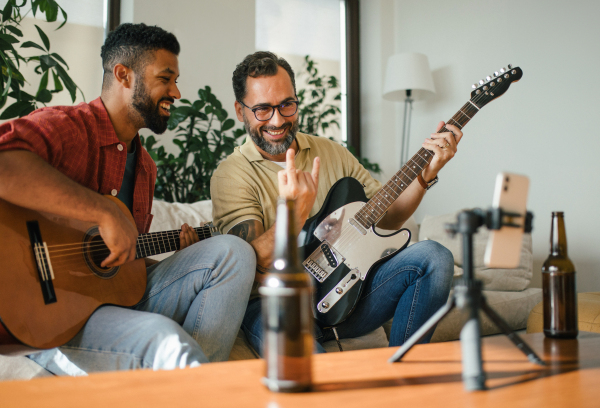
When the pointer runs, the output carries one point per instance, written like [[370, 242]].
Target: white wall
[[543, 127]]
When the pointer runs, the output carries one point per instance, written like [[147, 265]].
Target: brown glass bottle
[[558, 283], [287, 312]]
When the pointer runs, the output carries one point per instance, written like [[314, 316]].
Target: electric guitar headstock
[[495, 85]]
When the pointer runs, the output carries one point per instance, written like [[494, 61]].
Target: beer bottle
[[286, 311], [558, 282]]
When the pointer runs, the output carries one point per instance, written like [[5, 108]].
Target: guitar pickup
[[329, 256], [323, 261]]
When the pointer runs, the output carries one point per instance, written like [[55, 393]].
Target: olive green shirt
[[245, 185]]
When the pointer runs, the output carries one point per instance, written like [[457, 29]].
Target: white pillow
[[170, 216]]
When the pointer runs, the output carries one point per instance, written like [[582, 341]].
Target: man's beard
[[143, 104], [273, 149]]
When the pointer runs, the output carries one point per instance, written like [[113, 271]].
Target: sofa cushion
[[515, 279], [171, 216]]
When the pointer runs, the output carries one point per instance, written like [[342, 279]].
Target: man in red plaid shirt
[[62, 160]]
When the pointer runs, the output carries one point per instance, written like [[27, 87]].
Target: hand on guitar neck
[[444, 144]]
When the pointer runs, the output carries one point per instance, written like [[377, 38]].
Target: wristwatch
[[427, 185]]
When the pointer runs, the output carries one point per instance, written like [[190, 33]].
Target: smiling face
[[156, 90], [273, 137]]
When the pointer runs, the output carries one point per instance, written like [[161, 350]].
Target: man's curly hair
[[261, 63], [129, 44]]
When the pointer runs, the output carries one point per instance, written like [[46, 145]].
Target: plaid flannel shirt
[[80, 142]]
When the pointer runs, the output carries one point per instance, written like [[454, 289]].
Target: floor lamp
[[407, 76]]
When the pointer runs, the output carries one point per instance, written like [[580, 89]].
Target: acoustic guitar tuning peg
[[481, 82], [487, 78], [474, 86], [502, 70], [509, 66], [496, 73]]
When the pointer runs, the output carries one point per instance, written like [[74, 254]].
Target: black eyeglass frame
[[273, 107]]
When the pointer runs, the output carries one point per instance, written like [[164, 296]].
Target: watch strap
[[424, 184]]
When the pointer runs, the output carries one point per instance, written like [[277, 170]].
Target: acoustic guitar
[[51, 280]]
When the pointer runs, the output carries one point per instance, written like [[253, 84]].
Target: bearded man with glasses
[[409, 287]]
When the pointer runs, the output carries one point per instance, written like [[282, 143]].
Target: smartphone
[[504, 245]]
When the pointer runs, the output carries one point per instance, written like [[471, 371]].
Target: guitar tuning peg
[[487, 78], [496, 73], [509, 66], [502, 70], [481, 82], [474, 86]]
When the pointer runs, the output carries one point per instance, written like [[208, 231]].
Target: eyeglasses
[[266, 112]]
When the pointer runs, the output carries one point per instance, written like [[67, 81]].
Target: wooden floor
[[429, 376]]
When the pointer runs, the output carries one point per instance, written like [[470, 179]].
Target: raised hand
[[299, 185]]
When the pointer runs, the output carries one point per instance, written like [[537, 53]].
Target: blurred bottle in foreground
[[558, 283], [286, 311]]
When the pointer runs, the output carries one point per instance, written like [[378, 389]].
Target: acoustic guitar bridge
[[42, 262]]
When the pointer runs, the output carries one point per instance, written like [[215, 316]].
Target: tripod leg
[[521, 345], [423, 330], [470, 345]]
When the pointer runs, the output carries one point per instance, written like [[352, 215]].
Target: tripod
[[469, 297]]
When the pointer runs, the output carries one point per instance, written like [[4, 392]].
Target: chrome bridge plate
[[339, 291], [323, 261]]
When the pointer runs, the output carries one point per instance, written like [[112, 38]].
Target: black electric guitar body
[[345, 271], [340, 245]]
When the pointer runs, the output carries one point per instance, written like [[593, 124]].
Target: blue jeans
[[190, 314], [410, 287]]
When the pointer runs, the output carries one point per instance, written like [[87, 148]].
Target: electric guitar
[[340, 243], [51, 280]]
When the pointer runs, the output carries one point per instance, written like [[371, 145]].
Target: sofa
[[505, 289]]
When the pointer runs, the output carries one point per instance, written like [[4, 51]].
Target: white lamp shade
[[407, 71]]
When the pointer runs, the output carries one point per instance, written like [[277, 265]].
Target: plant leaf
[[66, 79], [14, 30], [15, 110], [228, 124], [44, 37], [43, 82], [44, 96], [64, 14], [57, 84], [7, 12], [48, 60], [30, 44], [9, 38], [59, 58]]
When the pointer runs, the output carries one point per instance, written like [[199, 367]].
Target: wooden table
[[429, 376]]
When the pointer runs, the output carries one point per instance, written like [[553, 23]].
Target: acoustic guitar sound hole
[[95, 251]]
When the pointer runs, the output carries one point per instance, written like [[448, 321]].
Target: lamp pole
[[406, 128]]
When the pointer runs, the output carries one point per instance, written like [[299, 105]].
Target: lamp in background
[[407, 76]]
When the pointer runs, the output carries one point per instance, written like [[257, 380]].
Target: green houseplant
[[316, 116], [205, 136], [47, 64]]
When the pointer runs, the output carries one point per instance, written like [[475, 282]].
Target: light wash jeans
[[410, 287], [190, 314]]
